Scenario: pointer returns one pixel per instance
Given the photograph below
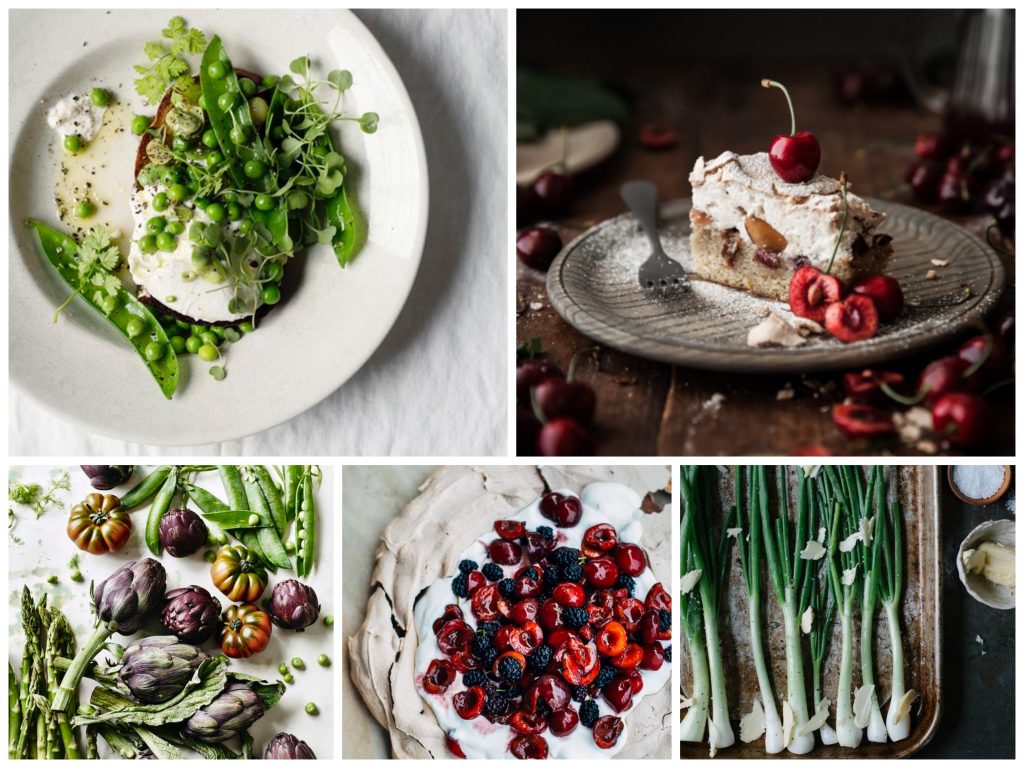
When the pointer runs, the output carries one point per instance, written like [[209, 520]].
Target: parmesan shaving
[[807, 620], [867, 529], [690, 580], [847, 544], [821, 535], [903, 707], [788, 724], [752, 725], [850, 576], [817, 720], [733, 532], [862, 705], [813, 550]]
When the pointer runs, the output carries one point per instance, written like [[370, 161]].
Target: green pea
[[225, 100], [323, 660], [214, 159], [248, 86], [270, 294], [180, 144], [201, 101], [178, 344], [77, 576], [135, 327], [154, 351], [246, 226], [288, 677], [208, 353], [217, 70], [170, 299], [298, 663], [254, 168], [140, 124], [176, 227], [108, 304], [277, 132], [52, 579], [165, 241], [264, 202], [198, 330], [255, 520], [209, 556], [209, 337], [201, 203], [85, 209], [234, 211], [258, 108], [216, 212], [274, 271], [282, 669], [193, 343], [160, 201], [311, 709], [219, 331], [147, 244], [73, 143], [329, 620], [156, 225], [177, 192], [99, 97], [239, 134], [245, 327], [210, 138], [182, 325], [289, 547]]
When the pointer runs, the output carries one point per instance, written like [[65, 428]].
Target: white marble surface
[[436, 386]]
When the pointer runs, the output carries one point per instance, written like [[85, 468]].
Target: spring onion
[[823, 611], [897, 720], [871, 552], [695, 722]]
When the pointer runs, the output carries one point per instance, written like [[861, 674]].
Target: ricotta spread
[[76, 115]]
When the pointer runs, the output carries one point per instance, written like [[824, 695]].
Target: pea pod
[[231, 477], [144, 490], [273, 497], [61, 251], [293, 477], [215, 511], [306, 522], [349, 226], [161, 503], [273, 548]]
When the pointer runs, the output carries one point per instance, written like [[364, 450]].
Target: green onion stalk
[[792, 583], [710, 555], [823, 606], [695, 722], [751, 549], [844, 589], [871, 560], [892, 594]]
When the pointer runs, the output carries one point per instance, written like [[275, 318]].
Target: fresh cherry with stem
[[566, 397], [795, 157]]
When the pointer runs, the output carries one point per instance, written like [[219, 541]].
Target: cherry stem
[[538, 412], [766, 83], [996, 386], [903, 399], [842, 229], [985, 354], [576, 356]]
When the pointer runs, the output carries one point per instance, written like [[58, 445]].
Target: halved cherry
[[550, 615], [536, 546], [454, 747], [564, 721], [455, 635], [527, 586], [860, 420], [520, 658], [885, 293], [602, 597], [630, 558], [612, 639], [535, 634], [568, 594], [548, 502], [487, 603], [439, 675], [579, 661], [503, 637], [598, 539], [629, 611], [650, 630], [602, 572], [811, 292], [528, 723], [465, 661], [568, 512], [653, 657], [474, 581], [658, 599], [607, 730], [451, 611], [470, 702], [530, 747], [505, 552], [551, 690], [586, 633], [852, 319], [559, 636], [635, 679], [510, 530], [524, 610], [619, 693], [629, 658], [599, 615], [867, 384]]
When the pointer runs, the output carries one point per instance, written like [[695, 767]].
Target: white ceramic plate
[[309, 345], [588, 145]]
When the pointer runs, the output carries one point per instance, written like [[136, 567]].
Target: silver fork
[[658, 273]]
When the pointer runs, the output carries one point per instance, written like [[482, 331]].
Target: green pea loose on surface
[[210, 138], [165, 241], [329, 620], [323, 660], [208, 353], [140, 124], [192, 344], [298, 663], [311, 709], [288, 677], [216, 212], [84, 209], [282, 669], [52, 579], [99, 97], [73, 143]]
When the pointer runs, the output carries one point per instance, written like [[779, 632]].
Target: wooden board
[[918, 492]]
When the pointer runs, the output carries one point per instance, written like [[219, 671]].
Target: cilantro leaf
[[168, 67]]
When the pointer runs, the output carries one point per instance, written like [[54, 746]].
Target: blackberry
[[488, 657], [589, 713], [496, 704], [531, 573], [565, 556], [573, 573], [474, 677], [510, 669], [605, 676], [487, 627], [579, 693], [507, 587], [547, 592], [514, 692], [459, 586], [575, 617], [552, 575], [540, 658], [664, 620], [468, 566], [481, 644], [492, 572], [627, 582], [546, 532], [668, 652]]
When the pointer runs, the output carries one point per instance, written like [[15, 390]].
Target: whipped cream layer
[[610, 503], [809, 215]]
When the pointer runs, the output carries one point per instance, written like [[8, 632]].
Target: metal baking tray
[[918, 492]]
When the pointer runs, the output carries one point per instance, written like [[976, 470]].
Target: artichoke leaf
[[158, 745], [269, 693], [208, 751]]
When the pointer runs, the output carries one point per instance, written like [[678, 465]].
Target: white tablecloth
[[437, 385]]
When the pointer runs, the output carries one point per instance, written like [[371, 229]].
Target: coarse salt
[[978, 482]]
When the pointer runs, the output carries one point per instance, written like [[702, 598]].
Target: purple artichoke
[[182, 532], [124, 600], [191, 614], [156, 669], [293, 605], [232, 712], [284, 746], [105, 476]]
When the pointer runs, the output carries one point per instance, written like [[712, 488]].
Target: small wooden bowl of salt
[[979, 484]]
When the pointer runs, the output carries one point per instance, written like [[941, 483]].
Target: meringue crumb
[[786, 393], [931, 274], [536, 305], [940, 262]]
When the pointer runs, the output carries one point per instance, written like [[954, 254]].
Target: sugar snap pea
[[231, 477], [273, 497], [273, 548], [292, 479], [149, 485], [306, 523], [215, 511], [61, 251], [161, 503]]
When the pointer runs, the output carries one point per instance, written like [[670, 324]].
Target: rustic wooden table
[[647, 408]]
